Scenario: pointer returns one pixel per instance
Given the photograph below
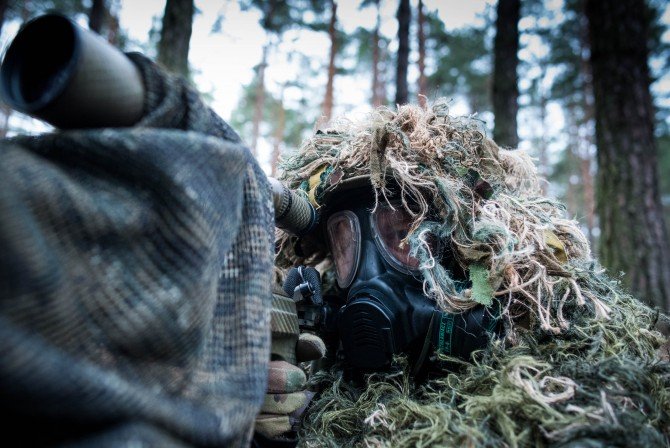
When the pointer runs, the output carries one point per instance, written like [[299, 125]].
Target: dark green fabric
[[135, 280]]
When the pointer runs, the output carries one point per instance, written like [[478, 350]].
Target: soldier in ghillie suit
[[463, 308]]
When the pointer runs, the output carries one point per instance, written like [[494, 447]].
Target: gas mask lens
[[391, 226], [344, 235]]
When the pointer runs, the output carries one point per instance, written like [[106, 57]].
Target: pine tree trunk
[[278, 135], [25, 10], [114, 28], [633, 237], [543, 149], [376, 94], [588, 195], [587, 125], [328, 98], [3, 10], [6, 111], [423, 81], [383, 71], [97, 16], [259, 103], [6, 114], [505, 80], [572, 131], [404, 16], [176, 35]]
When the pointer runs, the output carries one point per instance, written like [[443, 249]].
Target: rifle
[[74, 79], [56, 71]]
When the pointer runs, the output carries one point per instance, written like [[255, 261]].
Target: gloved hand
[[287, 397]]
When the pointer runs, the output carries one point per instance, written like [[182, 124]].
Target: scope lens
[[38, 67]]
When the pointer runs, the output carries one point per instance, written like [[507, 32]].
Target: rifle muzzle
[[70, 77]]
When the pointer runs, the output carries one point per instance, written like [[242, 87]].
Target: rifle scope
[[70, 77]]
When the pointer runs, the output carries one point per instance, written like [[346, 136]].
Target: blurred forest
[[583, 85]]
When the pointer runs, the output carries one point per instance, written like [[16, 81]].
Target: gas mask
[[385, 311]]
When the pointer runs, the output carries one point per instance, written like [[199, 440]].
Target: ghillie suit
[[579, 363]]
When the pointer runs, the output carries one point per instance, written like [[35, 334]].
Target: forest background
[[582, 85]]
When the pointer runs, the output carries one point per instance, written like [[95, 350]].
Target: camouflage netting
[[579, 365], [134, 280]]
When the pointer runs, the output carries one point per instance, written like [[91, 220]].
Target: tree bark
[[176, 35], [383, 83], [25, 10], [6, 114], [3, 10], [573, 156], [114, 29], [376, 94], [404, 16], [259, 103], [588, 194], [587, 123], [423, 81], [633, 237], [543, 146], [6, 110], [328, 98], [97, 16], [505, 80], [268, 8], [280, 125]]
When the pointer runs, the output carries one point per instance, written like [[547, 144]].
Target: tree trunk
[[259, 103], [114, 29], [633, 237], [505, 81], [280, 125], [589, 115], [328, 98], [97, 16], [376, 94], [572, 135], [6, 114], [176, 35], [383, 73], [404, 16], [589, 194], [3, 10], [423, 81], [25, 10], [6, 110], [543, 149]]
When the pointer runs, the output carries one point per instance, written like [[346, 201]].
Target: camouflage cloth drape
[[135, 280]]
